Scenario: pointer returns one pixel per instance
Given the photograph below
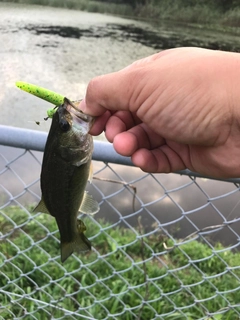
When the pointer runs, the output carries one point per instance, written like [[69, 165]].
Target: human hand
[[174, 110]]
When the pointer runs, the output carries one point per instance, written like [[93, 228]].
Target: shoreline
[[200, 17]]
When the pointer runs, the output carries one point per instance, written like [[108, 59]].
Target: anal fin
[[89, 205]]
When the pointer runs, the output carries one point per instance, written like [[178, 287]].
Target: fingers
[[138, 137], [119, 122], [150, 152], [114, 123], [125, 144], [160, 160], [99, 124]]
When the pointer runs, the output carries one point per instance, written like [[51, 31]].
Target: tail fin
[[79, 244]]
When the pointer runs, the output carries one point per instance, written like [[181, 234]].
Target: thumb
[[108, 92], [117, 91]]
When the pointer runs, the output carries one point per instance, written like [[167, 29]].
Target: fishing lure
[[50, 112], [45, 94]]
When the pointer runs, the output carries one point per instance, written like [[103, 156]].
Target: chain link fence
[[164, 246]]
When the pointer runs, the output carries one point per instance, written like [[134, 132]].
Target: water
[[62, 50], [58, 49]]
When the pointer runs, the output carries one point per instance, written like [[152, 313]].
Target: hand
[[177, 109]]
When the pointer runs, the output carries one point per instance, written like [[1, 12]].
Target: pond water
[[62, 50]]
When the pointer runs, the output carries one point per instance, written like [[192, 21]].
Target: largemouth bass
[[66, 169]]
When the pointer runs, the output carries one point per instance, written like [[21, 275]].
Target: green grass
[[111, 280]]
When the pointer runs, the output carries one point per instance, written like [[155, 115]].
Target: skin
[[177, 109]]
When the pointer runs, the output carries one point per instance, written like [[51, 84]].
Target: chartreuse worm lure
[[45, 94]]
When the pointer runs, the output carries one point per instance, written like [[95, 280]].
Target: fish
[[66, 169]]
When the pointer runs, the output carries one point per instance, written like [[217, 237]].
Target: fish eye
[[64, 125]]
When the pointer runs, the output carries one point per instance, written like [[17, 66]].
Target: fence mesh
[[164, 247]]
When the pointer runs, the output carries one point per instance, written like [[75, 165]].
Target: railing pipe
[[103, 151]]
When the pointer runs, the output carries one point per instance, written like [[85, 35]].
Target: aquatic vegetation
[[213, 13]]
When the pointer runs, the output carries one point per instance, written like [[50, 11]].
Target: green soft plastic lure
[[45, 94]]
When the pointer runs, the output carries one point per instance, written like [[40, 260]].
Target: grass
[[199, 15], [113, 279]]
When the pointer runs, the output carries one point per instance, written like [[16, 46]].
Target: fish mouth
[[80, 120]]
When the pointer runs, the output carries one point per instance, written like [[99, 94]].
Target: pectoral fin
[[41, 207], [89, 205]]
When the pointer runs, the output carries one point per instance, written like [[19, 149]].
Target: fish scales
[[65, 172]]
